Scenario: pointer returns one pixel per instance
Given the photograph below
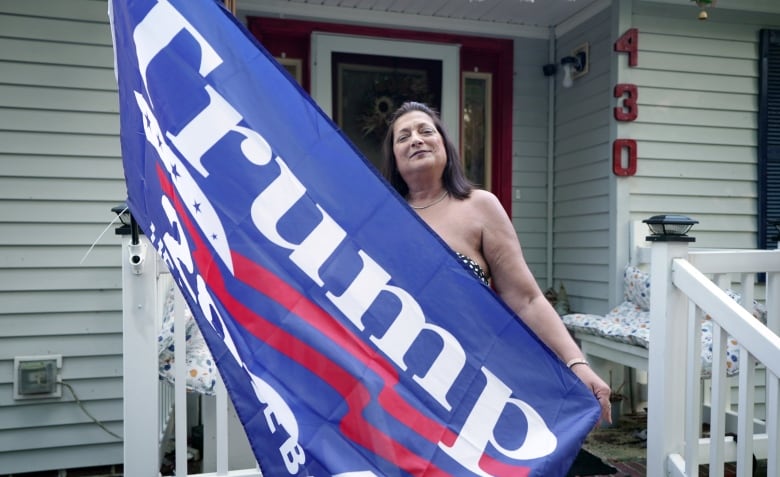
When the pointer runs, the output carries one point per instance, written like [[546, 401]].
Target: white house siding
[[697, 128], [60, 174], [697, 124], [582, 168], [529, 156]]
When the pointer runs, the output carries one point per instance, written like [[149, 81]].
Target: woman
[[422, 163]]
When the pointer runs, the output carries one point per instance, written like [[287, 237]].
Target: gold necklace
[[421, 207]]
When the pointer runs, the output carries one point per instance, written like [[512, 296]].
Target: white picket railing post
[[180, 386], [773, 388], [666, 374], [140, 381]]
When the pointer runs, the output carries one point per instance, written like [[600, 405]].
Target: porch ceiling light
[[670, 228], [704, 4]]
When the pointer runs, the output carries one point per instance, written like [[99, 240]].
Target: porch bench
[[623, 335], [201, 367]]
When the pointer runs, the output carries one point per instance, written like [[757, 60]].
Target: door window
[[476, 127]]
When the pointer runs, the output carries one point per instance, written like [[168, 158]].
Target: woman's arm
[[517, 286]]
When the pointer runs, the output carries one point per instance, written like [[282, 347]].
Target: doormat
[[588, 464]]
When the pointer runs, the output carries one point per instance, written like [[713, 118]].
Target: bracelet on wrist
[[574, 362]]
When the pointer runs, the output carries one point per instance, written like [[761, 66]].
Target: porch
[[683, 287]]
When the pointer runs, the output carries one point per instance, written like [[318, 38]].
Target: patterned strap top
[[478, 271]]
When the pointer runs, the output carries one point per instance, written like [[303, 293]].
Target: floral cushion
[[618, 325], [637, 287], [201, 369], [732, 350], [629, 322], [759, 311]]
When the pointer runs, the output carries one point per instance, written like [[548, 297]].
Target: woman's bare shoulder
[[485, 201], [482, 197]]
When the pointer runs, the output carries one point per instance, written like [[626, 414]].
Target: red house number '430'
[[628, 109]]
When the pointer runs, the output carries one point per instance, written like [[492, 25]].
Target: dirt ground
[[623, 441], [624, 446]]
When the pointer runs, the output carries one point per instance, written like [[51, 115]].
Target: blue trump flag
[[350, 338]]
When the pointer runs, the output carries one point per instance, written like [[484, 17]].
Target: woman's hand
[[600, 390]]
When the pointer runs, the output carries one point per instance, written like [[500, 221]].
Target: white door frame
[[323, 45]]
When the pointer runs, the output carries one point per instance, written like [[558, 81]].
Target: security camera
[[137, 257]]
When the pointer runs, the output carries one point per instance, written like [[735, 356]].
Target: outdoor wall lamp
[[670, 228], [574, 65], [123, 214], [129, 225]]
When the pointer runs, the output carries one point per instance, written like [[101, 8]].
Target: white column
[[666, 370], [140, 359]]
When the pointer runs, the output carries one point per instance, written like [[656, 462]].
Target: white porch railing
[[676, 446], [153, 409], [682, 294]]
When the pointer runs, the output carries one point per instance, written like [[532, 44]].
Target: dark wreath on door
[[367, 89]]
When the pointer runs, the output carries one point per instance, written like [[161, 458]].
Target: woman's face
[[417, 143]]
